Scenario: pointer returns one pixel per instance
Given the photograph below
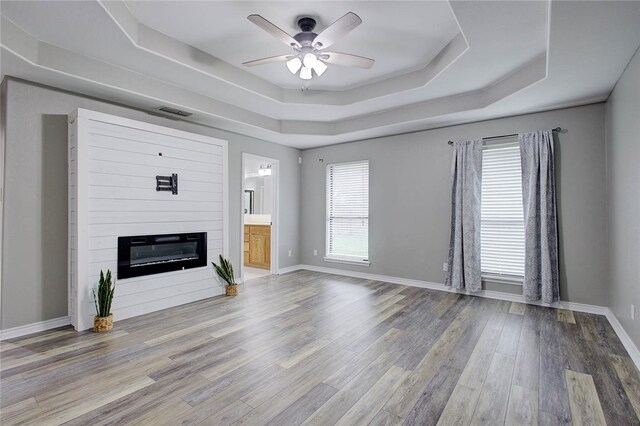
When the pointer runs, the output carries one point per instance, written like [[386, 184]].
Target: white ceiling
[[437, 63], [401, 36]]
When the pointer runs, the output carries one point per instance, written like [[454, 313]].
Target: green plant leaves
[[103, 297], [225, 270]]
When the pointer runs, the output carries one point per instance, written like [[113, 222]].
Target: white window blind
[[348, 212], [502, 227]]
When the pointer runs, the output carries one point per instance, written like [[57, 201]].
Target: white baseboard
[[631, 348], [289, 269], [579, 307], [23, 330], [634, 353]]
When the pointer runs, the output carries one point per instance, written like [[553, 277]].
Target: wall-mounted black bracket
[[167, 183]]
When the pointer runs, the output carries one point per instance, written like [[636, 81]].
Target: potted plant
[[225, 271], [103, 321]]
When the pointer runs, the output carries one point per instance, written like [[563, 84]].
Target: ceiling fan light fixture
[[305, 73], [309, 60], [319, 67], [294, 65]]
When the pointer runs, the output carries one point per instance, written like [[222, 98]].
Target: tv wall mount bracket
[[167, 183]]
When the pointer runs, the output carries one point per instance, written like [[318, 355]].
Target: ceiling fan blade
[[337, 30], [269, 60], [346, 59], [273, 30]]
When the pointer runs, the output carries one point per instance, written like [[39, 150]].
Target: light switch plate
[[445, 267], [315, 252]]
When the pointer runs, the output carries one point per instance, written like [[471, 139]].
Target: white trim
[[3, 136], [347, 260], [628, 344], [225, 196], [502, 279], [143, 125], [288, 269], [631, 348], [275, 219], [490, 294], [80, 313], [23, 330]]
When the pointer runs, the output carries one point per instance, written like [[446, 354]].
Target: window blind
[[502, 219], [348, 211]]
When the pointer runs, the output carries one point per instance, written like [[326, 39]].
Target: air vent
[[175, 111]]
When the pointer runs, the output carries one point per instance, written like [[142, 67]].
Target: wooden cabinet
[[257, 246], [246, 245]]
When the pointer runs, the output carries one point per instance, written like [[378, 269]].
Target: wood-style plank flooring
[[310, 348]]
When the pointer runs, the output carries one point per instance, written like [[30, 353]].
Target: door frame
[[274, 243], [3, 131]]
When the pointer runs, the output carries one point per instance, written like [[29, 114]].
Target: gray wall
[[623, 191], [34, 275], [410, 196], [409, 225]]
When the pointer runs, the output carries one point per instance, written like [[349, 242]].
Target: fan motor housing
[[306, 24], [305, 39]]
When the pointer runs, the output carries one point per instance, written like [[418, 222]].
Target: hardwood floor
[[310, 348]]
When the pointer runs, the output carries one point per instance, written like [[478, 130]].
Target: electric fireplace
[[152, 254]]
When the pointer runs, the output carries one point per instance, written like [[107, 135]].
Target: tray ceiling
[[437, 63], [400, 36]]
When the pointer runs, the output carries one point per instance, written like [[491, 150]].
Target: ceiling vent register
[[175, 111]]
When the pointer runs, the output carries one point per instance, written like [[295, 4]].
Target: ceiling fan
[[308, 55]]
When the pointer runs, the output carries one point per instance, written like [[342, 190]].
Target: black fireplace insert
[[152, 254]]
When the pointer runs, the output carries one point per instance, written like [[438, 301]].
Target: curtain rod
[[557, 129]]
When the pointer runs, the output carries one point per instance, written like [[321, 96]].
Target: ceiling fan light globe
[[309, 60], [319, 68], [294, 65], [305, 73]]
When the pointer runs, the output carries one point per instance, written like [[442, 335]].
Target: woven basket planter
[[102, 324], [232, 290]]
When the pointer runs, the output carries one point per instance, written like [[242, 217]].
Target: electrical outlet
[[315, 252], [445, 267], [633, 312], [289, 253]]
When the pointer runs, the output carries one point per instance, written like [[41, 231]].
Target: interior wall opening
[[259, 213]]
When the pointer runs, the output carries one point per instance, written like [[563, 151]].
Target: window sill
[[346, 261], [502, 279]]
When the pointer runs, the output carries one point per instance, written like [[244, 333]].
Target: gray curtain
[[540, 219], [466, 193]]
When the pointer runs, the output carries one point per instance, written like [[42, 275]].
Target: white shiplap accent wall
[[113, 163]]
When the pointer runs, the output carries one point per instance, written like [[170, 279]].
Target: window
[[348, 212], [502, 219]]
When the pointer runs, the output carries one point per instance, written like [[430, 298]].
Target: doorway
[[259, 242]]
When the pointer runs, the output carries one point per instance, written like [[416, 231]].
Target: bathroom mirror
[[261, 198], [249, 201]]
